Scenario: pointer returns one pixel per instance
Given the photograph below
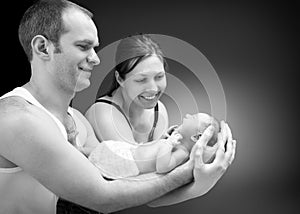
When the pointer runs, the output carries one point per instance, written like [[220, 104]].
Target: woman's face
[[146, 82]]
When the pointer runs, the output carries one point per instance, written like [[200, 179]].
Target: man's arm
[[32, 140]]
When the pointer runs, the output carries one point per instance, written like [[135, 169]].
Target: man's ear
[[40, 46], [119, 79]]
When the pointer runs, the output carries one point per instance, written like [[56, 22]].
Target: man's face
[[146, 82], [77, 57]]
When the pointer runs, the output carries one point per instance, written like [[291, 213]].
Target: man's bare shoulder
[[16, 111], [13, 104]]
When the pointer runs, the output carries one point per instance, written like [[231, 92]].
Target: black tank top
[[150, 136]]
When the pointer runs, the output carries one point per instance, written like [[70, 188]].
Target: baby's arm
[[168, 159]]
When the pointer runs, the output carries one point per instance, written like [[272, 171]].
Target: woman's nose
[[152, 86]]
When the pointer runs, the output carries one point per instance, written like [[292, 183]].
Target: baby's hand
[[173, 140], [169, 132]]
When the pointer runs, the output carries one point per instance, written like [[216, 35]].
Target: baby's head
[[193, 126]]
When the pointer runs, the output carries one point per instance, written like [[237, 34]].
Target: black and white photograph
[[149, 107]]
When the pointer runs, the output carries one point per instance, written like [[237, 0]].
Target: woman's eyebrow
[[146, 73]]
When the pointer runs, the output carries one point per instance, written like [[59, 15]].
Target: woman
[[131, 111]]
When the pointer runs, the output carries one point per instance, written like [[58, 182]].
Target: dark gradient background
[[254, 47]]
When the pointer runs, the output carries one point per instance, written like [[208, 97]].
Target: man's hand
[[206, 175]]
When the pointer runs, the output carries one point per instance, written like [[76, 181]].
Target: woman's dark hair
[[130, 52]]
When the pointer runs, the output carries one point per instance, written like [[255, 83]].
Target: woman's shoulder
[[161, 105], [104, 98], [162, 108], [102, 103]]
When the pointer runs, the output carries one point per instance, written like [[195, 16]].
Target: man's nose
[[93, 58]]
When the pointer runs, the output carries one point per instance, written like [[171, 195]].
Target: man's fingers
[[223, 128], [229, 151], [229, 133], [221, 149], [203, 140], [233, 151], [206, 136], [221, 142], [198, 157], [223, 137]]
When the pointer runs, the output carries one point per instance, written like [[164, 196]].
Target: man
[[41, 135]]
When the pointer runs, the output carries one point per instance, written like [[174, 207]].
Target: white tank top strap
[[24, 93]]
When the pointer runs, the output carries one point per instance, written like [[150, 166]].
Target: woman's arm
[[90, 142]]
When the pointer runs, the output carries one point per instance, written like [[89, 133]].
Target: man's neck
[[54, 100]]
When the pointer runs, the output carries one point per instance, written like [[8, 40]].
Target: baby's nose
[[188, 116]]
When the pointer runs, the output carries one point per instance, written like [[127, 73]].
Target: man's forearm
[[143, 189]]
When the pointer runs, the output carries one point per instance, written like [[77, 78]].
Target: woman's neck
[[132, 111]]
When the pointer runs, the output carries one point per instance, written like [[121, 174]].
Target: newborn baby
[[116, 159]]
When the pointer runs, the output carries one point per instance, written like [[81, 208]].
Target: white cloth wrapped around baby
[[114, 159]]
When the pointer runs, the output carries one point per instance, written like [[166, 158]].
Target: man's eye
[[83, 47]]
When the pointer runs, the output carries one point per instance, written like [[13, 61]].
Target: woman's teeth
[[149, 97]]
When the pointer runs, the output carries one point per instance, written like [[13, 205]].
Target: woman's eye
[[160, 77], [141, 80]]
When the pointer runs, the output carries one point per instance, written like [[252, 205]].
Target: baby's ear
[[196, 137]]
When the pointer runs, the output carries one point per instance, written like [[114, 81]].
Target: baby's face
[[194, 125]]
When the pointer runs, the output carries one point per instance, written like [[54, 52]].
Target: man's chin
[[82, 86]]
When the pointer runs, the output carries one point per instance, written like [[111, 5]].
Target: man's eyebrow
[[88, 42]]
